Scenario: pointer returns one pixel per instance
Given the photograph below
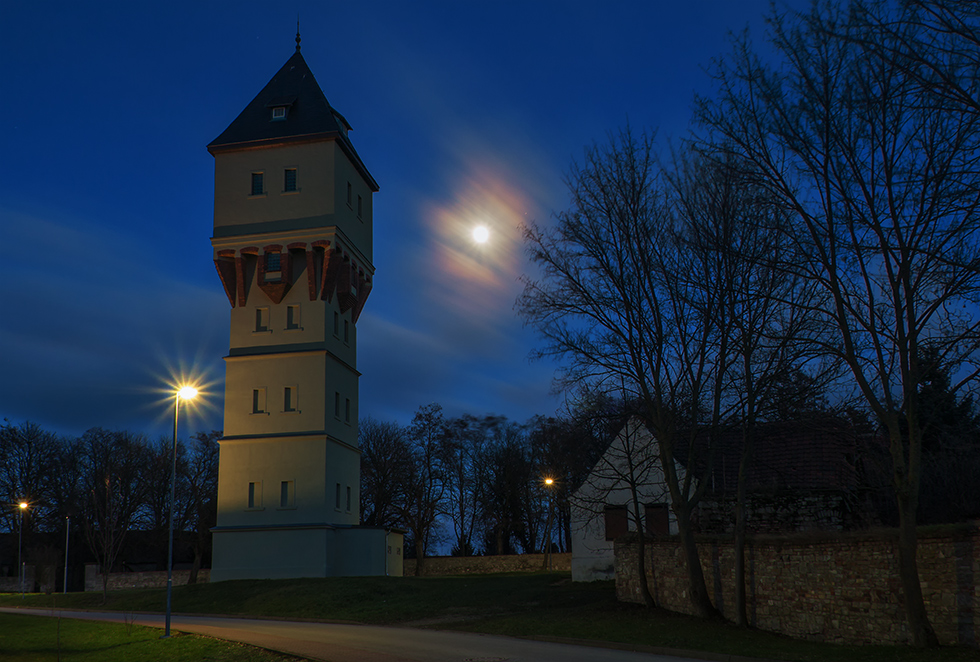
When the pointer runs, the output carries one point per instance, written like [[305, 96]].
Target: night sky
[[466, 113]]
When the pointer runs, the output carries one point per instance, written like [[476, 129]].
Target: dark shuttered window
[[617, 522]]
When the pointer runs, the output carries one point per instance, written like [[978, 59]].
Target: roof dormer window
[[280, 107]]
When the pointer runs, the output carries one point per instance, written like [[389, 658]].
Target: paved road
[[333, 642]]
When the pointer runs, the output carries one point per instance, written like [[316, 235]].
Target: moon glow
[[481, 234]]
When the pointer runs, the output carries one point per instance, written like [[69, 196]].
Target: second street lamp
[[184, 393], [20, 547], [549, 483]]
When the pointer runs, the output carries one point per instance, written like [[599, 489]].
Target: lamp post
[[548, 483], [20, 546], [184, 393], [67, 529]]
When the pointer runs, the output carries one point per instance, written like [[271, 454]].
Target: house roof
[[813, 455], [309, 117]]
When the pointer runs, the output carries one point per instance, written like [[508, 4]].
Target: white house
[[602, 508]]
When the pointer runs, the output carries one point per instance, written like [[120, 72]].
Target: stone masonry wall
[[484, 565], [841, 588], [152, 579]]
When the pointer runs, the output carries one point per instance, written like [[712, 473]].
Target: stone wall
[[151, 579], [485, 565], [13, 584], [841, 588]]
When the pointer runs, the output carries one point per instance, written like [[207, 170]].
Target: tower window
[[254, 495], [336, 404], [258, 401], [258, 188], [336, 324], [348, 498], [261, 320], [273, 262], [360, 206], [289, 399], [350, 191], [289, 182], [287, 494], [346, 331], [279, 113], [292, 316], [347, 411]]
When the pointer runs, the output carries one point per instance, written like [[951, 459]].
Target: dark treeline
[[106, 485], [475, 485]]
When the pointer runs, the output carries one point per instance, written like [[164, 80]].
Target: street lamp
[[67, 529], [20, 546], [184, 393], [549, 483]]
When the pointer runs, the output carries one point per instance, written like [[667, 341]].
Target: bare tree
[[506, 488], [622, 298], [768, 312], [200, 475], [114, 492], [879, 174], [27, 454], [384, 458], [462, 452], [935, 42], [154, 513], [424, 481]]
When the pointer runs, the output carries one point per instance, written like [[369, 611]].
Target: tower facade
[[292, 246]]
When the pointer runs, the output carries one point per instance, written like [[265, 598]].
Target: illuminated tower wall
[[292, 246]]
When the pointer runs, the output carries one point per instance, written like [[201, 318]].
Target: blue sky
[[465, 112]]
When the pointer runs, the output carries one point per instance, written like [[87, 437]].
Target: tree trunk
[[641, 561], [908, 568], [641, 556], [419, 557], [741, 613], [695, 576], [196, 565]]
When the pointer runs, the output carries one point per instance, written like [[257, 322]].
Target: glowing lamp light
[[549, 481], [187, 393], [481, 234], [22, 505]]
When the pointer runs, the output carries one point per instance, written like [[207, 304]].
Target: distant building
[[803, 476], [293, 248]]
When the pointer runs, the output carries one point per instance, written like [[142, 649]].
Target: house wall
[[841, 588]]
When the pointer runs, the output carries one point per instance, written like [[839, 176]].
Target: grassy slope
[[543, 604], [35, 639]]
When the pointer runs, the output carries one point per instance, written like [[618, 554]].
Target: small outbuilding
[[604, 508]]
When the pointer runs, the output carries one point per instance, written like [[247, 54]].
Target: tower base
[[305, 550]]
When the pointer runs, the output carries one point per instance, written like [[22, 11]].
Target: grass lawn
[[38, 638], [540, 604]]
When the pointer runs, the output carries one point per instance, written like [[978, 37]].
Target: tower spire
[[297, 33]]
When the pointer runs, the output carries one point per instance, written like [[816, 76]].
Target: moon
[[480, 234]]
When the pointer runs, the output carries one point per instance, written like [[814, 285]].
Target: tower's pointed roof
[[309, 117]]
